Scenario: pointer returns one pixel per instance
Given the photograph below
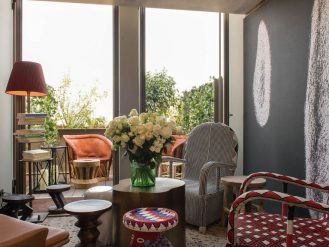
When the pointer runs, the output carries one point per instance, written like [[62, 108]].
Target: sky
[[76, 39]]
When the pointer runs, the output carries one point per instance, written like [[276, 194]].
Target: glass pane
[[182, 60], [73, 43]]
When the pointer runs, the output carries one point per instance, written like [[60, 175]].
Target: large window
[[73, 43], [182, 62]]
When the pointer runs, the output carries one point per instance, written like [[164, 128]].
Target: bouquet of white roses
[[144, 136]]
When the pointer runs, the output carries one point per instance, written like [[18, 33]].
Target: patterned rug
[[214, 237]]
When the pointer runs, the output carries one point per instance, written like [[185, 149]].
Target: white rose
[[124, 138], [134, 121], [138, 141], [166, 132], [149, 126], [133, 113]]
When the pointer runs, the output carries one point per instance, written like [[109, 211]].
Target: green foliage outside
[[161, 94], [190, 109], [197, 106], [65, 111]]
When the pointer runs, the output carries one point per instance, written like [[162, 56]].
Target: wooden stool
[[176, 170], [55, 191], [234, 182], [147, 225], [85, 173], [15, 203], [87, 212]]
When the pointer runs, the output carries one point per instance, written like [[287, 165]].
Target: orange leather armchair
[[177, 148], [90, 146], [17, 233]]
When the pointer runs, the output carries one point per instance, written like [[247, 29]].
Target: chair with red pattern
[[265, 229], [90, 146]]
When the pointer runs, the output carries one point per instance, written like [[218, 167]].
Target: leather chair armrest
[[17, 233]]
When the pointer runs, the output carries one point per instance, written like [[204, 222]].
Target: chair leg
[[202, 229]]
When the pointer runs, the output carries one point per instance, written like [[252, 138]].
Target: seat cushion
[[263, 229], [17, 233], [57, 237]]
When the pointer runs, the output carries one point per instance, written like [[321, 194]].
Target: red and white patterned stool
[[147, 225]]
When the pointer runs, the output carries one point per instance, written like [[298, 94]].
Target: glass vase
[[142, 175]]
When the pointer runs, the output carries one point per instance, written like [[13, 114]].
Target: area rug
[[214, 237]]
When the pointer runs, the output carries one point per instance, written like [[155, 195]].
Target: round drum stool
[[147, 225], [85, 173], [105, 229]]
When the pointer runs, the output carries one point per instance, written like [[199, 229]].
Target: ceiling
[[225, 6]]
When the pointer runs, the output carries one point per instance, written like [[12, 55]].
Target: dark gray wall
[[279, 145]]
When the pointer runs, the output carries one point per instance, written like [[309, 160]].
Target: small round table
[[87, 212], [55, 191], [234, 182], [17, 202], [147, 224]]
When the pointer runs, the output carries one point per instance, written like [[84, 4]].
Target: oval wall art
[[262, 76], [317, 102]]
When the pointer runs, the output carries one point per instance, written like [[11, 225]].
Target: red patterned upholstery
[[147, 225], [263, 229]]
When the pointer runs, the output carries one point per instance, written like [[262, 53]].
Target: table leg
[[88, 233], [59, 201], [225, 204], [26, 212]]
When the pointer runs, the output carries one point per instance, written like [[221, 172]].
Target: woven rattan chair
[[211, 152]]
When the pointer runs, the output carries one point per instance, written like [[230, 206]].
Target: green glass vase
[[142, 175]]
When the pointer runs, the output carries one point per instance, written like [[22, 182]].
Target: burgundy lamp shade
[[27, 78]]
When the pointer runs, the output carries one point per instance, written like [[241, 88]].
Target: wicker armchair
[[90, 146], [265, 229], [211, 152]]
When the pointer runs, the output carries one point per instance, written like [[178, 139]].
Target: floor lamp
[[27, 79]]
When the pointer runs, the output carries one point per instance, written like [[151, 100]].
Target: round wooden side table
[[87, 212], [233, 184], [55, 191], [17, 202]]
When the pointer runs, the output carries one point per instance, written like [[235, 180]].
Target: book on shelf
[[24, 132], [31, 115], [36, 154], [31, 121], [30, 140]]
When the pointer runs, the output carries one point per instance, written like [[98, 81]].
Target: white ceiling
[[225, 6]]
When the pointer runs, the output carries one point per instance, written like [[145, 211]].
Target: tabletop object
[[147, 224], [87, 212], [167, 193], [15, 203], [234, 182], [56, 193]]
